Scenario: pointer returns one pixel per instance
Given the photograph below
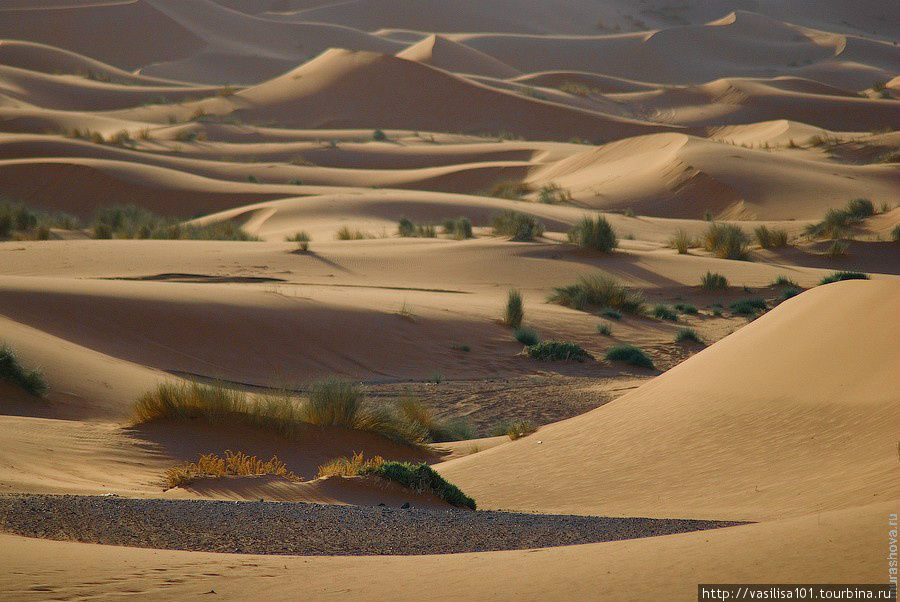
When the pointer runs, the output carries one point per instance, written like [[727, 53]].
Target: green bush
[[712, 281], [630, 355], [599, 290], [664, 313], [459, 228], [527, 336], [687, 335], [558, 350], [838, 276], [748, 307], [604, 329], [12, 371], [769, 238], [515, 310], [422, 478], [596, 235], [725, 241], [519, 227], [686, 308], [379, 136]]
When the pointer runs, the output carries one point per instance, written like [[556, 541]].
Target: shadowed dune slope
[[452, 56], [815, 432]]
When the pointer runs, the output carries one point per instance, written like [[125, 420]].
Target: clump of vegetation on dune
[[420, 477], [302, 238], [712, 281], [726, 241], [526, 336], [837, 223], [346, 233], [600, 290], [234, 464], [515, 429], [132, 222], [330, 402], [509, 189], [514, 312], [748, 307], [558, 351], [407, 229], [552, 194], [630, 355], [20, 222], [520, 227], [687, 335], [839, 276], [681, 242], [594, 234], [664, 312], [11, 371], [769, 238], [459, 228]]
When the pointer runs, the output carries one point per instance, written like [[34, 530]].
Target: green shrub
[[838, 276], [604, 329], [515, 310], [519, 227], [407, 228], [712, 281], [422, 478], [664, 313], [558, 350], [509, 189], [611, 314], [748, 307], [686, 308], [599, 290], [12, 371], [769, 238], [859, 209], [790, 292], [379, 136], [837, 222], [129, 221], [459, 228], [784, 281], [725, 241], [687, 335], [630, 355], [596, 235], [527, 336]]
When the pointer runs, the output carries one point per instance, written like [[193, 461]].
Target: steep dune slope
[[452, 56], [782, 418]]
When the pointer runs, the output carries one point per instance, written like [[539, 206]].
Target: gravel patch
[[310, 529]]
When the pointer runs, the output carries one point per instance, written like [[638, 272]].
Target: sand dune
[[769, 449], [452, 56]]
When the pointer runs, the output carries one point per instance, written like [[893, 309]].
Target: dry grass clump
[[345, 233], [770, 238], [349, 467], [599, 290], [597, 235], [515, 309], [726, 241], [554, 193], [509, 189], [414, 413], [234, 464], [302, 238], [459, 228], [712, 281], [408, 229], [23, 223], [11, 371], [681, 242], [838, 222], [520, 227]]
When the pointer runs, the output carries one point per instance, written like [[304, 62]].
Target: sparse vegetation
[[687, 308], [790, 292], [21, 222], [839, 276], [713, 281], [459, 228], [630, 355], [526, 336], [664, 312], [597, 235], [302, 238], [520, 227], [770, 238], [748, 307], [783, 280], [345, 233], [519, 428], [895, 233], [611, 314], [414, 413], [553, 193], [726, 241], [604, 329], [558, 351], [687, 335], [407, 229], [838, 222], [681, 242], [599, 290], [130, 222], [349, 467], [11, 371], [509, 189], [837, 248], [379, 136], [234, 464], [515, 310]]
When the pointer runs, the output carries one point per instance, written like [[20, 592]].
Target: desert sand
[[274, 117]]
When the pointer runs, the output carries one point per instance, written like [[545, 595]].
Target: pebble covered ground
[[310, 529]]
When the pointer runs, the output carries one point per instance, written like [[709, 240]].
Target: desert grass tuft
[[349, 467], [407, 229], [630, 355], [769, 238], [520, 227], [839, 276], [514, 312], [604, 329], [664, 312], [558, 351], [783, 280], [236, 464], [748, 307], [302, 238], [594, 234], [599, 290], [11, 371], [712, 281], [687, 308], [725, 241], [459, 228], [509, 189], [687, 335], [681, 242], [527, 336], [345, 233], [433, 430]]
